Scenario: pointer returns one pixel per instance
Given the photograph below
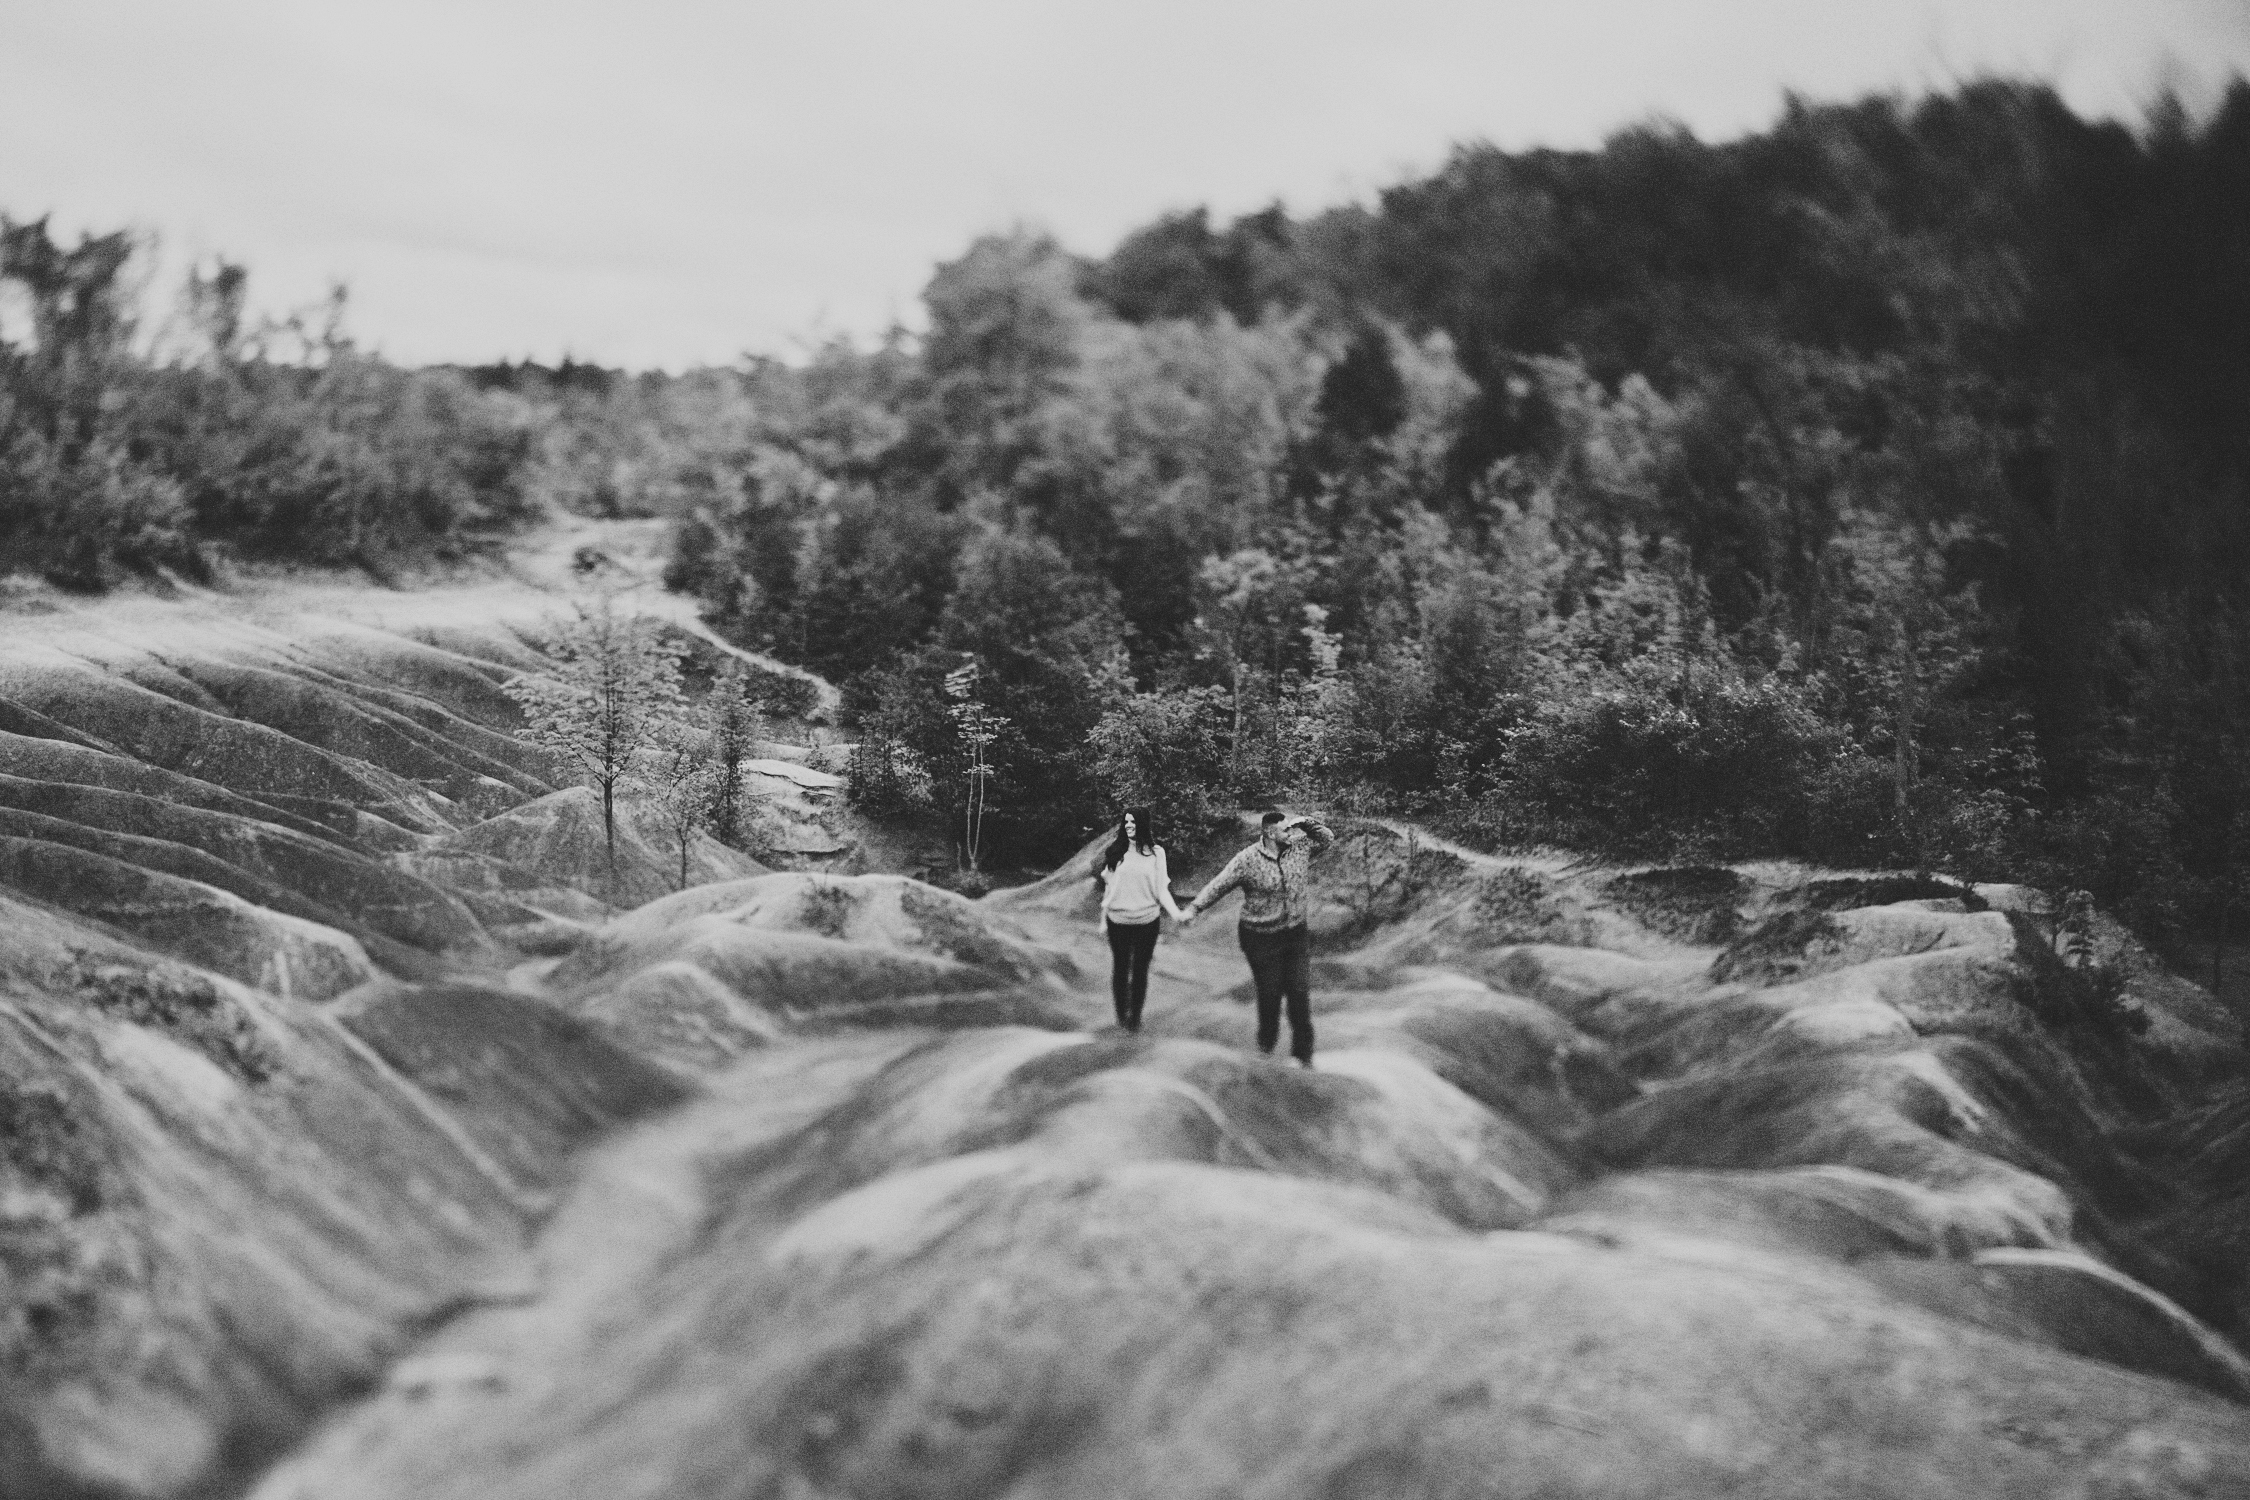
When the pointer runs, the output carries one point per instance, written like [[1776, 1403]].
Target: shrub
[[84, 519], [827, 908], [783, 695], [1652, 768], [1167, 750], [112, 462], [1382, 874], [883, 777]]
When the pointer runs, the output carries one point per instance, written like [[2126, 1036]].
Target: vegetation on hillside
[[1871, 488], [279, 440], [615, 708]]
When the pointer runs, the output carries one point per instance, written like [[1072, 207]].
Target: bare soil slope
[[1609, 1182], [267, 1108], [364, 1132]]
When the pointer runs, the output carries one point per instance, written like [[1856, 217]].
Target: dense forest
[[1871, 488], [1875, 488]]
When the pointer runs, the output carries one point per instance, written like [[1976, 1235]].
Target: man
[[1274, 875]]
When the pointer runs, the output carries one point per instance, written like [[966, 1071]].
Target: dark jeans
[[1131, 946], [1281, 968]]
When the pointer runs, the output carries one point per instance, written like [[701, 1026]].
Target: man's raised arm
[[1226, 880]]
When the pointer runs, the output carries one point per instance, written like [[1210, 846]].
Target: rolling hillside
[[364, 1132]]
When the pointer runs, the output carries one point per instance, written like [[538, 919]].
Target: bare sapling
[[978, 728], [611, 689], [686, 777]]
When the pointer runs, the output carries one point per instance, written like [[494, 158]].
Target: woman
[[1136, 893]]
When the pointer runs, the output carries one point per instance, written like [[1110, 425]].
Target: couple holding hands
[[1274, 876]]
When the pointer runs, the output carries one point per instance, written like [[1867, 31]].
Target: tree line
[[1871, 488], [264, 437], [142, 437]]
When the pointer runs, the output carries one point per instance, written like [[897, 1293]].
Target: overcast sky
[[676, 181]]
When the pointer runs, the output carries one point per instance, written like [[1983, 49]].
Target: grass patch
[[1382, 875], [1693, 903], [45, 1142], [186, 1006], [827, 908], [952, 931], [1516, 905], [1779, 948], [1847, 891]]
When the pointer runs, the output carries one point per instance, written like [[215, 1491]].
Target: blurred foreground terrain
[[366, 1131]]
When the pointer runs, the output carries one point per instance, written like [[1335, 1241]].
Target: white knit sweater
[[1139, 889]]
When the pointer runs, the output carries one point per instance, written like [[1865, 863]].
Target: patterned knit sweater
[[1276, 888]]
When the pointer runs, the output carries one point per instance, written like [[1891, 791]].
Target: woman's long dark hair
[[1144, 830]]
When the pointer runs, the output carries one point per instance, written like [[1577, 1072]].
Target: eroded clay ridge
[[366, 1133]]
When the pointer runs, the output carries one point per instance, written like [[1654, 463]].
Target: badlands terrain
[[365, 1132]]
